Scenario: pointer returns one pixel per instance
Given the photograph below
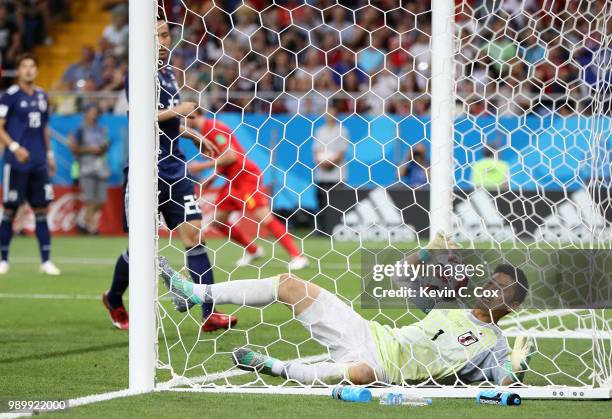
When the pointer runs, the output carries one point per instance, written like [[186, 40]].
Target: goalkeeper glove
[[524, 347], [440, 241]]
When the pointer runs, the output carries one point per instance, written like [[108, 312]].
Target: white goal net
[[371, 125]]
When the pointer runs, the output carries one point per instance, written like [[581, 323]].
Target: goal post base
[[564, 393]]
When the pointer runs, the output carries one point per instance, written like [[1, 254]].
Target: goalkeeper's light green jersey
[[445, 344]]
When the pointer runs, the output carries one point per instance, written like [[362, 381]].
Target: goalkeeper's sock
[[248, 292], [201, 271], [6, 234], [308, 374], [44, 237], [236, 234], [121, 280], [279, 231]]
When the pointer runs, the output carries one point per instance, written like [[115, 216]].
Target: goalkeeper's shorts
[[342, 331]]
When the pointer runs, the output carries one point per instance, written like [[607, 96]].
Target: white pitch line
[[50, 296], [95, 398], [86, 297], [536, 316], [111, 262], [64, 261], [579, 333]]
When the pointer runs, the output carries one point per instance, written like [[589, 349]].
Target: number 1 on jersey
[[437, 335]]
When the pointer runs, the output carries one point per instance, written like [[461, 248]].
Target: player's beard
[[163, 54]]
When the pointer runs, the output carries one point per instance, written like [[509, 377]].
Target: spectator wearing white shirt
[[116, 33], [330, 145]]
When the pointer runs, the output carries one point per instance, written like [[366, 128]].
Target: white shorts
[[343, 332]]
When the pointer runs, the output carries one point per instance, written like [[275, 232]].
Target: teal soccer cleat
[[250, 360], [181, 289]]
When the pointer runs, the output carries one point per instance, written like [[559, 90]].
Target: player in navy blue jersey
[[28, 160], [176, 198]]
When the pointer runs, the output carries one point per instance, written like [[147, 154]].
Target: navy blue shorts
[[19, 186], [177, 202]]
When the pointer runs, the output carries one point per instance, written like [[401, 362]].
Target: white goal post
[[162, 341], [142, 193], [442, 115]]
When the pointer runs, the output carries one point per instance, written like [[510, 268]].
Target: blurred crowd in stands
[[100, 70], [512, 57], [24, 24]]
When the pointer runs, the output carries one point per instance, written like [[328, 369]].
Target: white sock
[[321, 372], [278, 368], [247, 292]]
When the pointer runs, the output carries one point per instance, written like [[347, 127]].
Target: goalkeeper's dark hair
[[163, 17], [521, 285]]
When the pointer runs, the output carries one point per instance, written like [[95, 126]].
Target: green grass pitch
[[56, 341]]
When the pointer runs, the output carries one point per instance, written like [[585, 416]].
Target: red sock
[[280, 232], [237, 235]]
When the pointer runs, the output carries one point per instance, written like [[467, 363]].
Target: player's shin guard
[[121, 280], [320, 373], [201, 271], [249, 292], [44, 236], [6, 233]]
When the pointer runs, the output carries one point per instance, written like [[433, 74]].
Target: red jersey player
[[244, 191]]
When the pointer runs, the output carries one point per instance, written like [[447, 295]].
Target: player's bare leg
[[297, 295], [201, 272], [251, 251], [264, 217], [44, 242]]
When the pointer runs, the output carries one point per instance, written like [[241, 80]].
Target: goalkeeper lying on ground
[[450, 346]]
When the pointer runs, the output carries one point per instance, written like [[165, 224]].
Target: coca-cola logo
[[67, 211], [64, 212]]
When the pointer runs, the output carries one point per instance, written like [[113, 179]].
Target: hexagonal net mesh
[[308, 138]]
